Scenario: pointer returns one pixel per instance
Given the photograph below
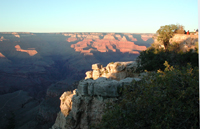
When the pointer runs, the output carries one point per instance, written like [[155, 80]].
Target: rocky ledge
[[85, 106], [114, 70]]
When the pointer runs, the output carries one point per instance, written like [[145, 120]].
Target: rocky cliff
[[85, 106]]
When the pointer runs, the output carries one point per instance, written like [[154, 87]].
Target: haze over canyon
[[32, 61]]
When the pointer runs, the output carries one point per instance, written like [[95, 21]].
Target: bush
[[167, 99], [152, 59]]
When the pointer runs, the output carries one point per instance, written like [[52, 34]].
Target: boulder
[[96, 66], [66, 102]]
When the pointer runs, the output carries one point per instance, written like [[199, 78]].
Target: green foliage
[[180, 30], [165, 33], [167, 99], [152, 59]]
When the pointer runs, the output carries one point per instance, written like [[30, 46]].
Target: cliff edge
[[84, 107]]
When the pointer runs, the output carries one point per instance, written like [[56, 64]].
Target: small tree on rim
[[165, 33]]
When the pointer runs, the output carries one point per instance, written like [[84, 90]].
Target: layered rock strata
[[108, 43]]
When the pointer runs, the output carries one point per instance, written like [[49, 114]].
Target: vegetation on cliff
[[165, 33], [153, 58], [168, 97]]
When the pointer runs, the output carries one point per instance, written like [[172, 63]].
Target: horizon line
[[74, 32]]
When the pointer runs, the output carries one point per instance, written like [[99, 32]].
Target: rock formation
[[30, 52], [16, 34], [145, 37], [1, 55], [109, 42], [2, 38], [85, 106], [186, 42], [116, 71]]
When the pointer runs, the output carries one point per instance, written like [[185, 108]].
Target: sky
[[126, 16]]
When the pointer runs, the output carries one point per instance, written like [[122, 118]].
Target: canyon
[[33, 61], [36, 68], [102, 87]]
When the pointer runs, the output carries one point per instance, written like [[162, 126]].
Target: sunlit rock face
[[2, 38], [1, 55], [145, 37], [186, 42], [108, 42], [114, 70], [30, 52], [16, 34], [85, 106]]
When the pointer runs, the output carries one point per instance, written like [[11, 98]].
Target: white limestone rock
[[88, 74], [96, 66]]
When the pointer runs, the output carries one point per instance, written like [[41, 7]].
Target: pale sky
[[132, 16]]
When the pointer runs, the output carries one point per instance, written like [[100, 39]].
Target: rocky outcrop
[[186, 42], [2, 38], [85, 106], [116, 71], [1, 55], [30, 52]]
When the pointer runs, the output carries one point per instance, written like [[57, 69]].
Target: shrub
[[167, 99], [152, 59]]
